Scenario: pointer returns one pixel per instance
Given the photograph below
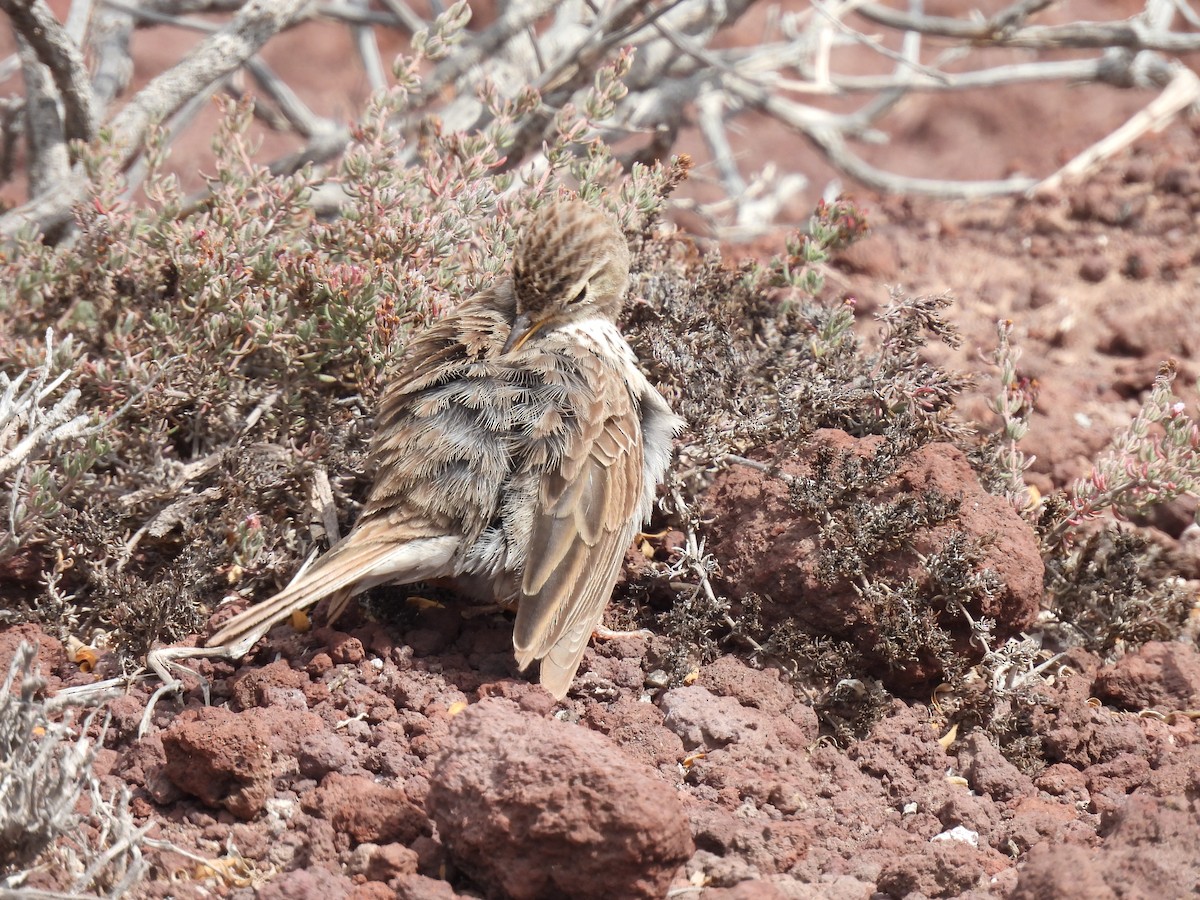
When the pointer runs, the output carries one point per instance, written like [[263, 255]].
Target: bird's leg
[[601, 633], [650, 536]]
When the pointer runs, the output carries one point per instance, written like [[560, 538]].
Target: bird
[[517, 452]]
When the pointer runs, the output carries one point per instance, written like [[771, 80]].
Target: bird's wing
[[441, 443], [407, 531], [586, 516], [474, 330]]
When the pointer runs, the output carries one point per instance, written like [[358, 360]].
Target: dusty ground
[[401, 759]]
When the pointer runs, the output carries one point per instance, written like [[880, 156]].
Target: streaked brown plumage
[[517, 453]]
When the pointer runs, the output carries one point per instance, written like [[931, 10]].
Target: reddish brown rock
[[365, 811], [767, 547], [143, 763], [873, 255], [638, 727], [1158, 330], [953, 806], [319, 665], [537, 808], [391, 861], [942, 869], [289, 729], [751, 847], [988, 772], [901, 752], [220, 757], [762, 689], [1094, 269], [371, 890], [704, 721], [747, 890], [1003, 259], [1119, 776], [1076, 732], [322, 753], [1179, 776], [1031, 820], [49, 655], [125, 715], [1062, 780], [1162, 675], [1151, 849], [305, 884], [419, 887], [1062, 871], [263, 685], [343, 648]]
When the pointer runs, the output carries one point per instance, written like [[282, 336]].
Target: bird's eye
[[581, 296]]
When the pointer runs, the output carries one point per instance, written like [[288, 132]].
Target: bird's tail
[[357, 563]]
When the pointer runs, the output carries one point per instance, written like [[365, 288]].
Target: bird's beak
[[522, 330]]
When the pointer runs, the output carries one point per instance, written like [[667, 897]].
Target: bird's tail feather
[[354, 565]]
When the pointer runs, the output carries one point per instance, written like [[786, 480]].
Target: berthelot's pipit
[[517, 452]]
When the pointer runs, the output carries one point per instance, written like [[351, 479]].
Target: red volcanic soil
[[412, 761]]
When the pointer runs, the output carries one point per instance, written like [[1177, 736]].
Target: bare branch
[[36, 24], [10, 134], [26, 425], [113, 66], [1130, 35], [405, 15], [678, 76], [177, 7], [49, 160], [1182, 92], [209, 62], [1016, 14], [368, 51], [1073, 70], [355, 15], [212, 60], [514, 20], [145, 14], [833, 144], [294, 110]]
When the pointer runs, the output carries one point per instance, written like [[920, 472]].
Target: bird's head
[[572, 263]]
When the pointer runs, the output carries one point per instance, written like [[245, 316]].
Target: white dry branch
[[27, 425], [47, 768], [210, 61], [39, 421], [32, 421], [686, 71]]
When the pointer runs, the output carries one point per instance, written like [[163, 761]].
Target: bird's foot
[[164, 663]]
